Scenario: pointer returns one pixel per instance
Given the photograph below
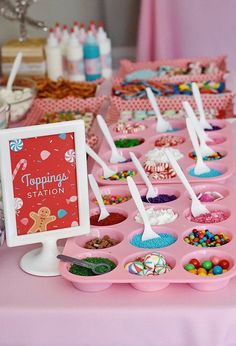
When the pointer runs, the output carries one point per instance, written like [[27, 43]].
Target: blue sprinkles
[[173, 129], [212, 173], [165, 240]]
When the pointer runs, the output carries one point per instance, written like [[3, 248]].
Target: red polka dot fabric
[[42, 106], [127, 66], [218, 102]]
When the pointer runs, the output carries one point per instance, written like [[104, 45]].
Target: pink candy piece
[[129, 128], [169, 141], [210, 196], [206, 198], [215, 260], [214, 216], [216, 141]]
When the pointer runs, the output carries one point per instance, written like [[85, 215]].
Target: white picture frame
[[49, 237]]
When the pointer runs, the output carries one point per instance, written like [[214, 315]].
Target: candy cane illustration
[[21, 164]]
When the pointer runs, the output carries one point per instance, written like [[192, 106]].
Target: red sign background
[[44, 183]]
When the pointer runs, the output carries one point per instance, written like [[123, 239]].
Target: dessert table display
[[188, 269]]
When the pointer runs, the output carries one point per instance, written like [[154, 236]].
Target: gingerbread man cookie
[[41, 220]]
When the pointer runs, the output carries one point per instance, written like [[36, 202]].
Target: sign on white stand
[[45, 190]]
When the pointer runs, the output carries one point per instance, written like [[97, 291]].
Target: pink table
[[50, 311]]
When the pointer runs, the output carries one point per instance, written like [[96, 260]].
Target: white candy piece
[[20, 101], [159, 155], [158, 217]]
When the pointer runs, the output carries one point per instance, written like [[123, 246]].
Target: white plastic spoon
[[115, 156], [107, 172], [197, 208], [94, 186], [162, 124], [204, 148], [152, 192], [148, 233], [15, 67], [197, 96], [200, 167], [200, 131]]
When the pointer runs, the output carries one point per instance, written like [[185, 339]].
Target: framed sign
[[44, 183]]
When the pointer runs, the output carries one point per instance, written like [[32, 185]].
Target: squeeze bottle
[[53, 57], [92, 58], [75, 63], [63, 47], [105, 52]]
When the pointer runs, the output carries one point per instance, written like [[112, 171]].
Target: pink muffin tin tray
[[177, 254], [149, 136]]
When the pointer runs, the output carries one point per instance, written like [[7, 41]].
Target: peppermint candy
[[16, 145]]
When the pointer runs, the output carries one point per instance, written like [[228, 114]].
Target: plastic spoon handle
[[204, 149], [107, 172], [148, 233], [74, 260], [162, 124], [197, 208], [180, 174], [109, 139], [14, 71], [200, 132], [106, 132], [94, 186], [154, 104], [198, 100], [84, 264], [142, 173], [200, 167]]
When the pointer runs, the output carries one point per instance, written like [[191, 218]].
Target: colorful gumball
[[224, 264], [202, 274], [201, 271], [217, 270], [193, 271], [195, 262], [189, 266], [215, 260], [207, 265]]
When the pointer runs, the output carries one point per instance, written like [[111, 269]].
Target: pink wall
[[187, 28]]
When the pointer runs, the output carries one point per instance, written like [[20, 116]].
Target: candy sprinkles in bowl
[[151, 154], [190, 237]]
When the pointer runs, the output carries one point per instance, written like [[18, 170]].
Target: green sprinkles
[[128, 142], [82, 271]]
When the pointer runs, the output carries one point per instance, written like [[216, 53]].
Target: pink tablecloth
[[187, 28], [50, 311]]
